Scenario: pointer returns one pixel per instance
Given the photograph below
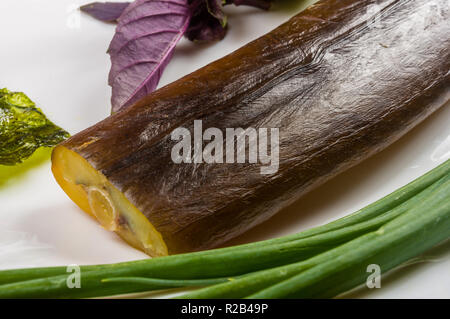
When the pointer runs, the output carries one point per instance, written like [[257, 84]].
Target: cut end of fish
[[95, 195]]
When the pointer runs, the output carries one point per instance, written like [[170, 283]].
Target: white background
[[57, 56]]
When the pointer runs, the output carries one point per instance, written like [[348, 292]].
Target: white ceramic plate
[[57, 56]]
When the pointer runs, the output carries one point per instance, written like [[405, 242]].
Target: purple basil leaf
[[262, 4], [208, 22], [105, 11], [215, 9], [146, 35], [206, 30]]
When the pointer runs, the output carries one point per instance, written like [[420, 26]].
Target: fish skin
[[342, 80]]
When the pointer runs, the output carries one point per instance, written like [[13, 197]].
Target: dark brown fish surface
[[341, 80]]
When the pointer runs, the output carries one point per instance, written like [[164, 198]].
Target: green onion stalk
[[321, 262]]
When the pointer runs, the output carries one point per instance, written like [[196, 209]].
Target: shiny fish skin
[[341, 80]]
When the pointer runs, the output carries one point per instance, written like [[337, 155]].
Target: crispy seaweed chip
[[24, 128]]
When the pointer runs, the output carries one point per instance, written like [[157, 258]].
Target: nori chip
[[24, 128]]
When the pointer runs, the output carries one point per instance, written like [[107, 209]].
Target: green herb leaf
[[24, 128]]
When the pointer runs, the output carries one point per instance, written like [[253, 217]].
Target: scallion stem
[[272, 267]]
